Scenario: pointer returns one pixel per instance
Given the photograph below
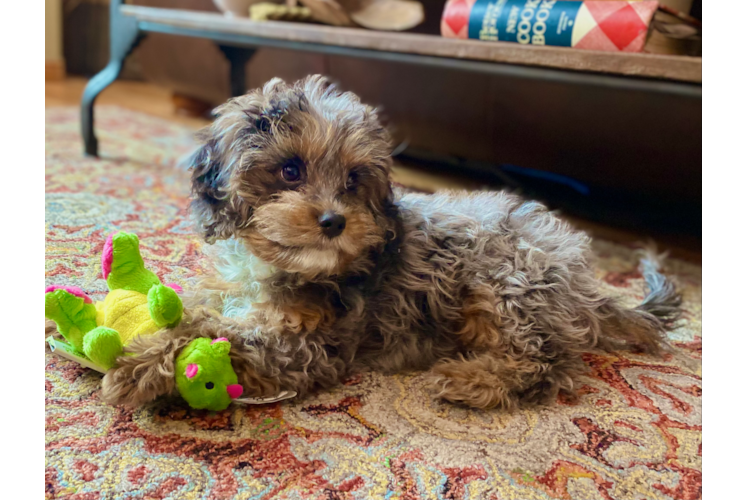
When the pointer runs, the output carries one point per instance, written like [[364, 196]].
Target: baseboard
[[54, 70]]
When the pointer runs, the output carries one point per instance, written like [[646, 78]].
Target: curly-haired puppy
[[322, 270]]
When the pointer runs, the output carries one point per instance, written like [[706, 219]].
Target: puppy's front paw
[[453, 381]]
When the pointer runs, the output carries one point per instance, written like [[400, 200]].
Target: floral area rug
[[635, 433]]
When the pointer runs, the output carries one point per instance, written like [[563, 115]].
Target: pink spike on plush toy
[[72, 290], [191, 370], [219, 339], [175, 287], [107, 256]]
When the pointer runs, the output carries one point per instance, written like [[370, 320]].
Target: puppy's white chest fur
[[236, 264]]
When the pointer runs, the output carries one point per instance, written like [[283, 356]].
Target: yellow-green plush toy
[[137, 304]]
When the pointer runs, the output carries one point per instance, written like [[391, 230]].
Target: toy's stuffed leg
[[164, 306], [123, 266], [102, 345], [72, 311]]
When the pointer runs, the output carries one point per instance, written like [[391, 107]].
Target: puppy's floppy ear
[[211, 205], [219, 211]]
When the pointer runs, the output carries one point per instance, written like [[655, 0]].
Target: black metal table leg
[[238, 58], [124, 35]]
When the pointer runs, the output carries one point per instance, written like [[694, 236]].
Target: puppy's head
[[299, 173]]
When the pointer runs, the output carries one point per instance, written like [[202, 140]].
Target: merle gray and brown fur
[[494, 295]]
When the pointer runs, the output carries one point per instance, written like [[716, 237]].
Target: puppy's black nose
[[332, 223]]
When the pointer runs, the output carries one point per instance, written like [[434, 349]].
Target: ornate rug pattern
[[635, 433]]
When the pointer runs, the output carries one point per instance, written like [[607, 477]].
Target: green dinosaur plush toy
[[139, 304], [205, 377]]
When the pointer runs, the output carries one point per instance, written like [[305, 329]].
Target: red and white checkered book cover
[[597, 25]]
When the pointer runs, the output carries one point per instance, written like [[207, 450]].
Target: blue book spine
[[529, 22]]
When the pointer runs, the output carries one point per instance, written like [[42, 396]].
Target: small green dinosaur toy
[[205, 377], [139, 304]]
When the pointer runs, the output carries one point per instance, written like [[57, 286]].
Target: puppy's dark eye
[[209, 385], [292, 169], [352, 182], [291, 172], [263, 124]]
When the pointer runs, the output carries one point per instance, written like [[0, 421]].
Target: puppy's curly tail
[[645, 327]]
